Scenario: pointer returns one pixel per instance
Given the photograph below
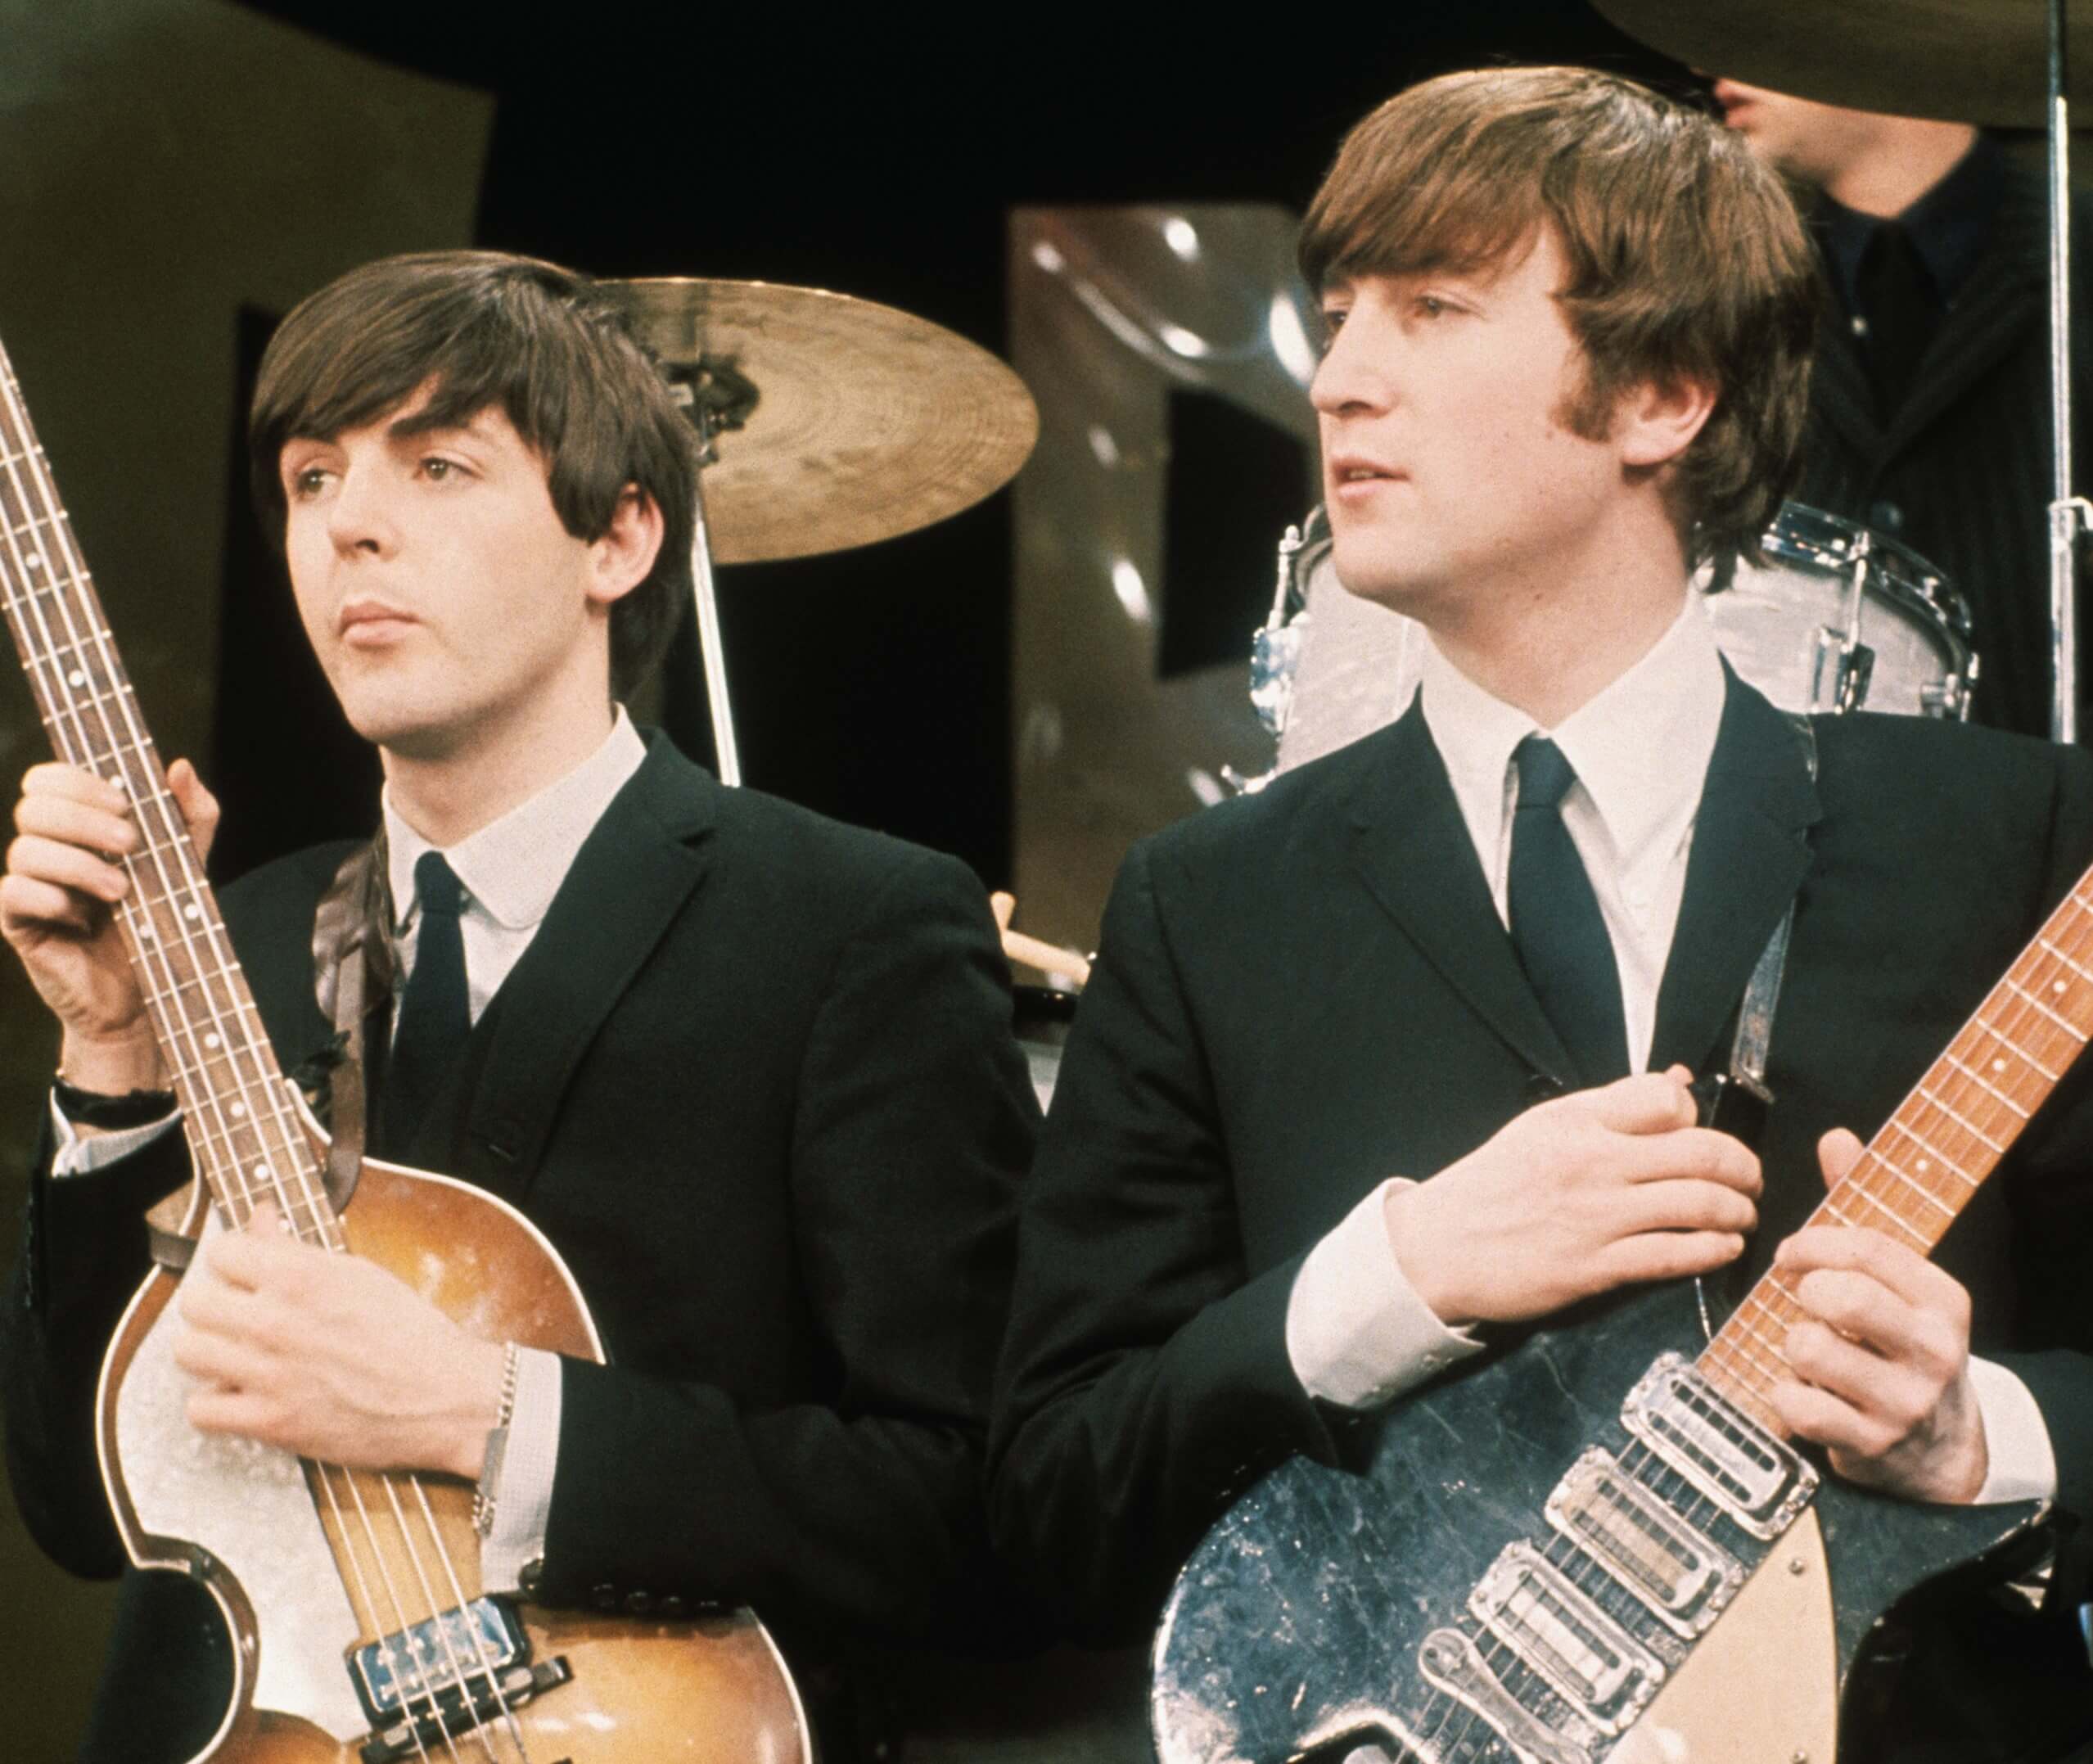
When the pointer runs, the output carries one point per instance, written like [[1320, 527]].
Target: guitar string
[[484, 1660], [2071, 921], [151, 796], [370, 1604], [147, 795]]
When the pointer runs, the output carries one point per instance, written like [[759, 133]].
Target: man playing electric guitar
[[750, 1071], [1394, 1055]]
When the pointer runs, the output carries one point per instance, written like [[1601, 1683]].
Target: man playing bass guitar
[[750, 1071], [1391, 1060]]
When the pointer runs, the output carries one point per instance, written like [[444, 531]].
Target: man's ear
[[1657, 422], [621, 560]]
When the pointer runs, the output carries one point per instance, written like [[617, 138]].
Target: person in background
[[1929, 411]]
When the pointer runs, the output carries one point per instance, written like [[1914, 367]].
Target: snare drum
[[1835, 618]]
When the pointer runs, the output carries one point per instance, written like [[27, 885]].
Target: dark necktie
[[1556, 925], [1896, 295], [434, 1016]]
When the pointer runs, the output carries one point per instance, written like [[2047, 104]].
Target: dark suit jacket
[[1304, 992], [1962, 472], [755, 1079]]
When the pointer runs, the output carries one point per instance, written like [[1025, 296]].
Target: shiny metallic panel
[[1112, 309]]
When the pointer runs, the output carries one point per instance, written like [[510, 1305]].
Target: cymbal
[[837, 422], [1983, 61]]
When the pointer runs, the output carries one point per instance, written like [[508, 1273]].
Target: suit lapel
[[1412, 849], [632, 876], [1750, 852]]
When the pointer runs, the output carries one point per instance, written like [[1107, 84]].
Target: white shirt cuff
[[79, 1153], [1356, 1332], [522, 1492], [2024, 1463]]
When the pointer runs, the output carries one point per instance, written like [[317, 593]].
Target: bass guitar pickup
[[429, 1685], [1758, 1480]]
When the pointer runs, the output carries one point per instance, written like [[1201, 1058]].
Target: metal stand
[[2067, 513], [709, 647]]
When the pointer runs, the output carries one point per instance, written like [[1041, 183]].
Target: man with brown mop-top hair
[[749, 1071], [1386, 1065]]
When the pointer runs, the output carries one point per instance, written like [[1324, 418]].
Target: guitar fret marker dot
[[1998, 1064], [1922, 1166], [210, 1041], [2057, 987], [238, 1110], [192, 911], [78, 677], [262, 1173]]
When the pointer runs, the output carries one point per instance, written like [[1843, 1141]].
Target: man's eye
[[307, 482], [438, 469], [1431, 306]]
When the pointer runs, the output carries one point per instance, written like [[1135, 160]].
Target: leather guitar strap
[[1736, 1101], [352, 974]]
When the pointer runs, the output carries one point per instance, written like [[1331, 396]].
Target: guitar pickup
[[1760, 1481], [435, 1681], [1682, 1578], [1584, 1657]]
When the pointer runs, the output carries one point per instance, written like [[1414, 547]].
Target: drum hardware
[[1960, 60], [1329, 667], [824, 423], [1274, 659]]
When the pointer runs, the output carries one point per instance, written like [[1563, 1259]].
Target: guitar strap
[[352, 975], [1736, 1101]]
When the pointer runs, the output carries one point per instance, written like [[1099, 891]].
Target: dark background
[[174, 174]]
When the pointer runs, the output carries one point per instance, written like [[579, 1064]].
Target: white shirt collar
[[1640, 748], [514, 865]]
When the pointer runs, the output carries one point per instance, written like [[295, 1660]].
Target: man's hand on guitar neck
[[62, 881], [331, 1357], [1883, 1362], [1591, 1191]]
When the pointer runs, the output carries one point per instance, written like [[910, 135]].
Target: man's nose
[[1353, 377], [359, 518]]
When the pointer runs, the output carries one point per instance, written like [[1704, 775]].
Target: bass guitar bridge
[[431, 1683]]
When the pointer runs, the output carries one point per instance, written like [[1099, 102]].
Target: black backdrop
[[880, 159]]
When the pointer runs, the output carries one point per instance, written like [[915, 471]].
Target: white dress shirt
[[510, 869], [1357, 1334]]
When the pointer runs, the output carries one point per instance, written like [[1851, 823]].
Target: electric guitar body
[[1317, 1620]]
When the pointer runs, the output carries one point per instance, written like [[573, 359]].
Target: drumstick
[[1031, 951]]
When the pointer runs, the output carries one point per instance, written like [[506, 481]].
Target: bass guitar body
[[1563, 1555], [361, 1634]]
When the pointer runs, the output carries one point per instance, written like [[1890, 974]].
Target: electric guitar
[[1568, 1552], [361, 1632]]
